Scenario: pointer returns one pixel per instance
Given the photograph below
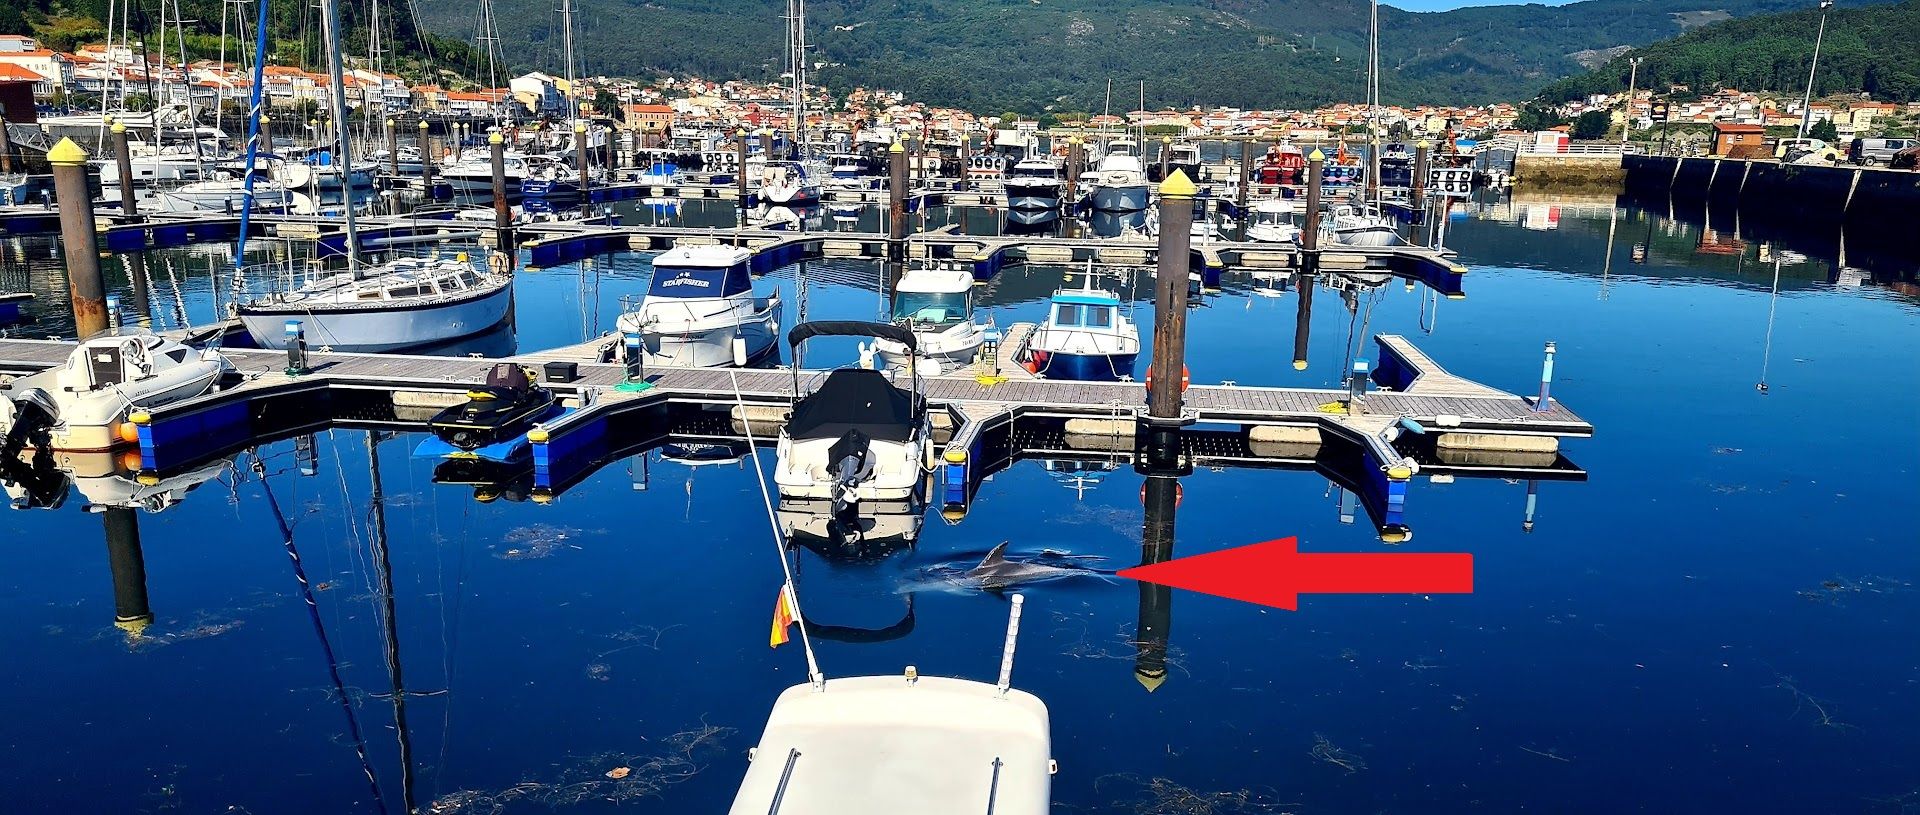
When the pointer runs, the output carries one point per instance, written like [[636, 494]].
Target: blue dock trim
[[569, 446], [220, 423], [30, 222], [1391, 370], [1379, 479], [1440, 274]]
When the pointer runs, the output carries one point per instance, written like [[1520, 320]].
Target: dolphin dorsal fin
[[995, 557]]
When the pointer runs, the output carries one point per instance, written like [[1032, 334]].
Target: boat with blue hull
[[1086, 337]]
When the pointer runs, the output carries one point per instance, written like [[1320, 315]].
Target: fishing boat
[[1085, 337], [1185, 157], [1362, 225], [788, 182], [1271, 221], [506, 406], [1034, 183], [848, 171], [84, 403], [1283, 164], [700, 310], [936, 304], [857, 443], [388, 306], [1119, 184]]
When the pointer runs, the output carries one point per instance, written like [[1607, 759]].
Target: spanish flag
[[783, 616]]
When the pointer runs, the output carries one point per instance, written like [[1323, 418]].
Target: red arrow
[[1275, 573]]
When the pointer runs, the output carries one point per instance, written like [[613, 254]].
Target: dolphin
[[996, 573]]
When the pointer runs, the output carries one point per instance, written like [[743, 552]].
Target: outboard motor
[[26, 416], [848, 464]]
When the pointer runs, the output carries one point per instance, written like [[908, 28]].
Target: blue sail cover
[[700, 281]]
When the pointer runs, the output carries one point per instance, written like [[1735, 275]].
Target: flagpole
[[791, 593]]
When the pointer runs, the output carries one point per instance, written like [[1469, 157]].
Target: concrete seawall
[[1562, 170], [1854, 197]]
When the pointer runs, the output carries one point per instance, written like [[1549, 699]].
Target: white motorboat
[[1086, 337], [1119, 184], [700, 310], [1355, 225], [858, 439], [936, 304], [788, 182], [402, 303], [848, 171], [1185, 157], [1271, 221], [1034, 183], [102, 480], [84, 403], [475, 176]]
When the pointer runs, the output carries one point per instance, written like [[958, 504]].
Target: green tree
[[1824, 131], [606, 104], [1591, 125], [1537, 116]]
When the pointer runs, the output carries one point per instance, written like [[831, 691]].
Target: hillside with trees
[[1873, 50]]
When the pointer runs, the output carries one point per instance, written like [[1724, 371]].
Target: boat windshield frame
[[956, 308]]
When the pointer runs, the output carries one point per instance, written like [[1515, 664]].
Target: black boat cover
[[853, 399], [849, 328]]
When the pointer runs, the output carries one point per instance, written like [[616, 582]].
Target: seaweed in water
[[1325, 750], [614, 777], [536, 541], [1803, 701], [1161, 796], [1830, 591]]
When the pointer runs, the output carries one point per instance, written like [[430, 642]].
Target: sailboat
[[391, 305], [1362, 223], [794, 182]]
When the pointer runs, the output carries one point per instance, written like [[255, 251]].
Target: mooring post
[[1246, 174], [427, 160], [896, 201], [1160, 498], [766, 143], [740, 168], [6, 143], [1422, 156], [1166, 148], [1533, 501], [393, 147], [966, 159], [580, 158], [266, 133], [123, 161], [1303, 321], [502, 211], [78, 238], [1168, 374], [128, 565], [1545, 402], [1310, 230]]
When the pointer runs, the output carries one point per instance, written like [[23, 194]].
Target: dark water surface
[[1723, 618]]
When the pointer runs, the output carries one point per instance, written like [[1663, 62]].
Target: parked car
[[1876, 151], [1805, 151]]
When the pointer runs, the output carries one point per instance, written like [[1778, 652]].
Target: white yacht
[[936, 304], [1185, 157], [1358, 225], [788, 182], [389, 306], [1271, 221], [84, 403], [474, 176], [1034, 183], [700, 310], [1119, 183], [1086, 337], [858, 443]]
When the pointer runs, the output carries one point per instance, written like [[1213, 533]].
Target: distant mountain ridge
[[1027, 55]]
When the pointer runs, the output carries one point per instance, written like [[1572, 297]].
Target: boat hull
[[1083, 367], [713, 347], [374, 330], [1124, 198]]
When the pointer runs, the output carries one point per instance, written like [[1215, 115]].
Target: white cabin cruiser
[[84, 403], [1271, 221], [788, 182], [700, 310], [936, 304], [1355, 225], [1085, 337], [398, 304], [475, 176], [857, 444], [1033, 183], [1119, 184]]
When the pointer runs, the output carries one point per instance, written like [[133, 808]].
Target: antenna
[[1006, 652], [779, 543]]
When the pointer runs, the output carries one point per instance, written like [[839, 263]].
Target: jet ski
[[506, 406]]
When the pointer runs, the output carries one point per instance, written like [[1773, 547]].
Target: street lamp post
[[1626, 118], [1806, 102]]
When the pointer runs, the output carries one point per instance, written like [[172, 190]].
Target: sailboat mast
[[573, 91], [1373, 102], [390, 630], [797, 45], [330, 27]]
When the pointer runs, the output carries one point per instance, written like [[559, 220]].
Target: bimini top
[[1086, 297], [854, 398], [701, 271], [849, 328]]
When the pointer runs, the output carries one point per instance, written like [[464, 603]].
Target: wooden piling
[[79, 238], [966, 156], [427, 160], [393, 147], [1076, 156], [128, 566], [580, 159], [1170, 296], [1303, 320], [740, 171], [123, 161], [502, 211], [1422, 156], [1166, 147], [896, 201], [6, 143], [1246, 173]]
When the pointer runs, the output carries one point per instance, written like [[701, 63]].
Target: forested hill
[[294, 28], [1026, 55], [1875, 50]]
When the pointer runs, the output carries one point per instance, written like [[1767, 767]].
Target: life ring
[[1185, 378], [499, 263], [1179, 494]]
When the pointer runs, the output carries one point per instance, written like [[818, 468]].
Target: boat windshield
[[1072, 315], [931, 309], [1024, 170]]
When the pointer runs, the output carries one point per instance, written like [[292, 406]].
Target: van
[[1876, 151]]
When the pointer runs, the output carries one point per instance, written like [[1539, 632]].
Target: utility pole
[[1806, 102], [1626, 118]]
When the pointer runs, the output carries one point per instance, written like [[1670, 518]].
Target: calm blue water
[[1722, 618]]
